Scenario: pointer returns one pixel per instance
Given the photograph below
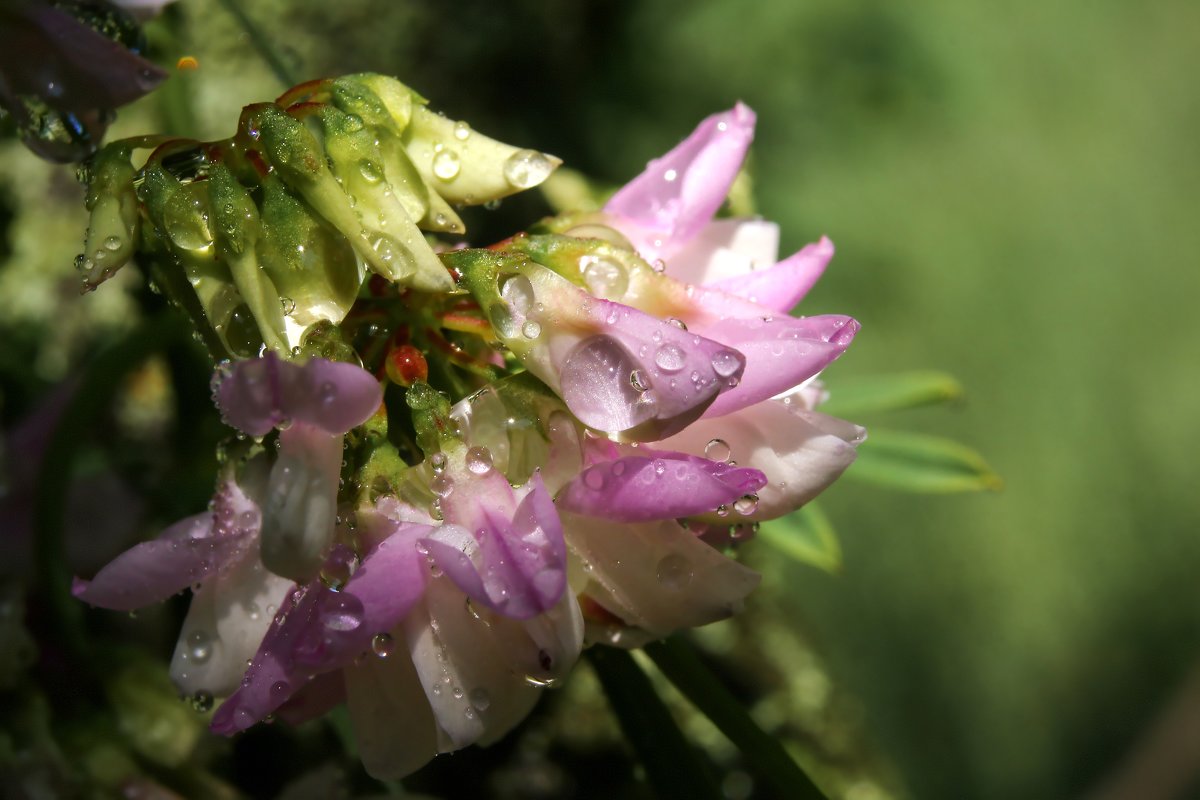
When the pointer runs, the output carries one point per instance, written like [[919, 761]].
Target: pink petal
[[516, 567], [258, 394], [781, 287], [680, 192], [658, 486], [781, 353], [152, 571]]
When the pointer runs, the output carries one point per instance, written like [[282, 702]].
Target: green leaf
[[807, 536], [870, 393], [673, 767], [916, 462], [765, 757]]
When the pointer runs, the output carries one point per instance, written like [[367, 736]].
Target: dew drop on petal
[[480, 699], [605, 277], [462, 131], [531, 330], [479, 460], [442, 486], [638, 380], [717, 450], [438, 462], [517, 291], [725, 363], [446, 165], [746, 504], [112, 243], [370, 171], [525, 169], [674, 572], [670, 358], [382, 644]]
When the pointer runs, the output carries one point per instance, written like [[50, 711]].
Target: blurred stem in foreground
[[261, 43]]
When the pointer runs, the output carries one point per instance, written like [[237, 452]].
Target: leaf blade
[[872, 393], [918, 462], [807, 536]]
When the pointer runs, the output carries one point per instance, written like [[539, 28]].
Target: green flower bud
[[113, 224], [237, 232]]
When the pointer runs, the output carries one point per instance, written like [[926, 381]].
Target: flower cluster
[[551, 442]]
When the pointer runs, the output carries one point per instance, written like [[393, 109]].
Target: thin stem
[[673, 767], [765, 756], [261, 43]]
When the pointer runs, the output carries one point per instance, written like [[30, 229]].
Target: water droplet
[[726, 363], [462, 131], [288, 305], [202, 701], [112, 243], [442, 486], [660, 466], [678, 323], [479, 460], [674, 572], [480, 699], [525, 169], [722, 510], [605, 277], [594, 479], [746, 504], [658, 265], [670, 358], [446, 165], [438, 462], [717, 450], [353, 123], [458, 693], [200, 647], [371, 171], [518, 292], [531, 329], [382, 644], [638, 380]]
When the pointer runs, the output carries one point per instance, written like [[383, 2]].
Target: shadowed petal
[[676, 581], [394, 726]]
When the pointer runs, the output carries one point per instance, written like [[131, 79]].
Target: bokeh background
[[1013, 192]]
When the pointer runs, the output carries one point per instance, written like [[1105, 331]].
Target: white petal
[[474, 692], [800, 451], [393, 723], [726, 248], [543, 648], [225, 624], [300, 506], [656, 575]]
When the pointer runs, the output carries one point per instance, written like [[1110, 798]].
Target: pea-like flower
[[267, 528]]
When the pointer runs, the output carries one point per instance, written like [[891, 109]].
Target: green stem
[[765, 756], [261, 43], [100, 382], [673, 767]]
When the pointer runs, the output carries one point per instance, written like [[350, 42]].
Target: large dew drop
[[446, 165], [605, 278], [525, 169], [597, 387]]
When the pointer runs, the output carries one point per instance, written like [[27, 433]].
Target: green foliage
[[917, 462]]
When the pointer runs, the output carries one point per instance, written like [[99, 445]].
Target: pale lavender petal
[[383, 589], [516, 567], [680, 192], [152, 571], [394, 727], [271, 677], [781, 353], [333, 395], [258, 394], [658, 486], [782, 286], [318, 629], [249, 394]]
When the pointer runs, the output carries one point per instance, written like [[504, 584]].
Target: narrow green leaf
[[673, 767], [851, 396], [917, 462], [807, 536], [765, 756]]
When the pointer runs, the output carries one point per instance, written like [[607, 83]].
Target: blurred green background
[[1012, 189]]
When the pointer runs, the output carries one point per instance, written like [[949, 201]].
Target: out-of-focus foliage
[[1012, 193]]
